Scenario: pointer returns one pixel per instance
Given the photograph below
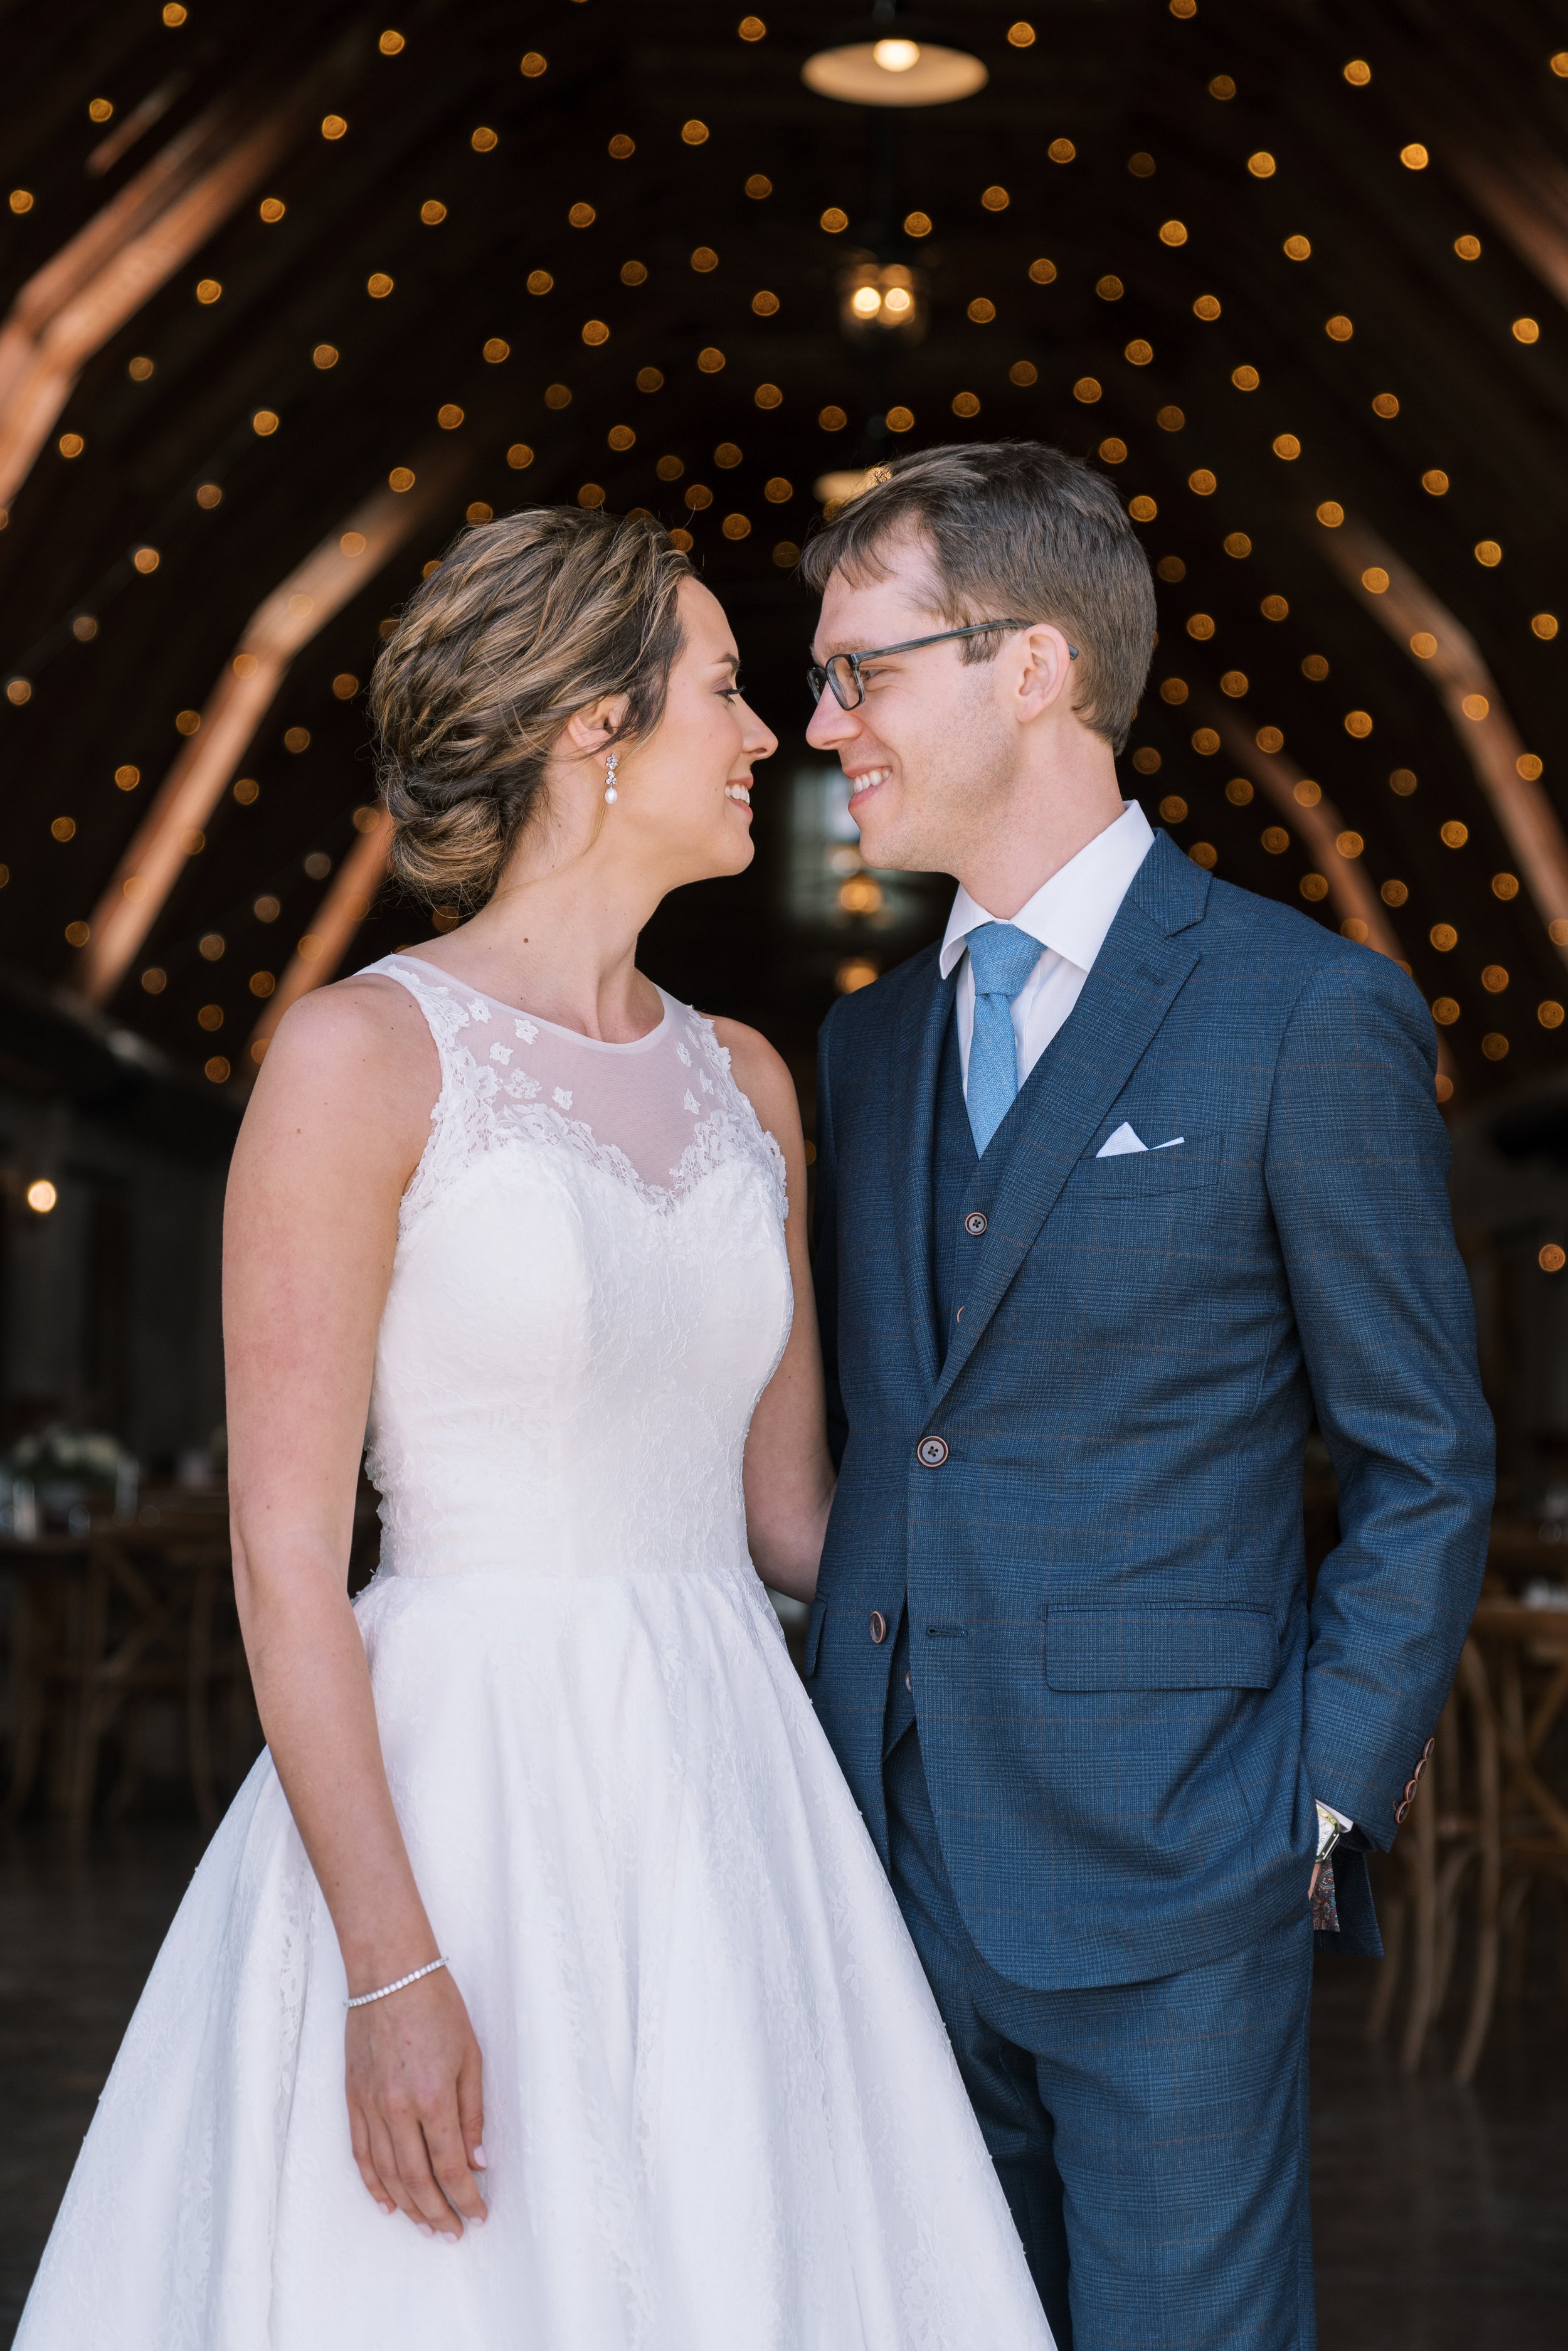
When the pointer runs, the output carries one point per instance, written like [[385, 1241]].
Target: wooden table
[[133, 1612], [102, 1625]]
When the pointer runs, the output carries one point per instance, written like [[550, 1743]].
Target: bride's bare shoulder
[[360, 1045], [762, 1074]]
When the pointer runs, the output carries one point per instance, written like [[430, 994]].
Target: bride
[[542, 1987]]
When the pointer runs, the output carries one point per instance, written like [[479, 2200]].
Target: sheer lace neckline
[[537, 1019], [659, 1115]]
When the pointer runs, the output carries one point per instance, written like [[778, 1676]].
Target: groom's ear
[[1043, 678]]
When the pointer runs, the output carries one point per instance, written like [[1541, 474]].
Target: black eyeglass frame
[[822, 673]]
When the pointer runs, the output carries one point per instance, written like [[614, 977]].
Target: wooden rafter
[[322, 947], [98, 281], [1318, 825], [298, 608], [1414, 618]]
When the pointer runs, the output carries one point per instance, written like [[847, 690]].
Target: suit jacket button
[[975, 1223], [1400, 1811], [1427, 1750], [878, 1625], [931, 1452]]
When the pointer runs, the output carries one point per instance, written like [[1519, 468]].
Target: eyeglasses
[[842, 671]]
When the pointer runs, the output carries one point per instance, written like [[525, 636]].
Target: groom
[[1120, 1188]]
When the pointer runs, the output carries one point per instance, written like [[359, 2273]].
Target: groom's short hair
[[1014, 529]]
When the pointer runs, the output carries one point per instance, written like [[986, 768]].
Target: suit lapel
[[927, 1008], [1138, 974]]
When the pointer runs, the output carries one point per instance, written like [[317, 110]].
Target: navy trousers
[[1151, 2138]]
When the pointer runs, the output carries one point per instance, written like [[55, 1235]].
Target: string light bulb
[[878, 299]]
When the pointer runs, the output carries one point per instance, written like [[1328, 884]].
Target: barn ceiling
[[282, 278]]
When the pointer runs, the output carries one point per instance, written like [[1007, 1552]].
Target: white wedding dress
[[720, 2112]]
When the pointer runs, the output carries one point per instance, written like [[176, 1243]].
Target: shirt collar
[[1072, 912]]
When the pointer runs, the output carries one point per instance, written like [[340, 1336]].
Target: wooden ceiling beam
[[98, 281], [322, 947], [1319, 826], [298, 608], [1406, 609], [1526, 201], [1316, 822]]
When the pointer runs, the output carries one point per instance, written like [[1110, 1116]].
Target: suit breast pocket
[[1149, 1174]]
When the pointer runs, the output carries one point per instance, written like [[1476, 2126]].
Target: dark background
[[1160, 113]]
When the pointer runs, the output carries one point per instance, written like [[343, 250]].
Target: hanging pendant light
[[894, 71], [877, 298]]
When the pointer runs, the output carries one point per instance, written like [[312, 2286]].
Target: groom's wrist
[[1331, 1826]]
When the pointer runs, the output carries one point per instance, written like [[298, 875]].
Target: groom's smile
[[862, 782]]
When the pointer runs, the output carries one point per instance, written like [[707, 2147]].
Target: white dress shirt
[[1069, 915]]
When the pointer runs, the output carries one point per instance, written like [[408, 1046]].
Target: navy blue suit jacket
[[1127, 1703]]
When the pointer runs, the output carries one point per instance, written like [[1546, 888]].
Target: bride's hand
[[415, 2105]]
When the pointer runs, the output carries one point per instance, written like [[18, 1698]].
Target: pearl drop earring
[[611, 764]]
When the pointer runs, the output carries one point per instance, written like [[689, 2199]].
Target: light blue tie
[[1001, 958]]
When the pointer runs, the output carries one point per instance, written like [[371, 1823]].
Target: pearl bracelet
[[365, 1998]]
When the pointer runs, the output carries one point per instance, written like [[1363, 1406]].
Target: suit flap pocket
[[1160, 1648]]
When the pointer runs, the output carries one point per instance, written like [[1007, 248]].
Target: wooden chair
[[159, 1623], [1450, 1849], [1526, 1653], [47, 1579], [106, 1628]]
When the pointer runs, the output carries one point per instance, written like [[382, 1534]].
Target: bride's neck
[[561, 941]]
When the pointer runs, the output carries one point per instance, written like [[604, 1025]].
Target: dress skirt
[[720, 2111]]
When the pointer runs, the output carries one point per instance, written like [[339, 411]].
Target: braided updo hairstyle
[[525, 621]]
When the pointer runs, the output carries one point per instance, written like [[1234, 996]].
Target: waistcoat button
[[975, 1223], [931, 1452], [878, 1625]]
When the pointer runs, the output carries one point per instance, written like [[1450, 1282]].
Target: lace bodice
[[589, 1294], [658, 1115]]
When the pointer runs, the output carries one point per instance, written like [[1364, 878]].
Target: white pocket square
[[1126, 1139]]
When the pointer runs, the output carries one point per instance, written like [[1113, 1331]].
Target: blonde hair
[[526, 619]]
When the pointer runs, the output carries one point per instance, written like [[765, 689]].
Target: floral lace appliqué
[[485, 1102]]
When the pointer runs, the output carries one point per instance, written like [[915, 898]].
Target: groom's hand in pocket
[[416, 2114]]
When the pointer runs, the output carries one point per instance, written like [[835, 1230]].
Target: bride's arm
[[333, 1132], [788, 1474]]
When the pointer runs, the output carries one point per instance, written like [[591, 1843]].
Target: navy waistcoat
[[963, 1186]]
